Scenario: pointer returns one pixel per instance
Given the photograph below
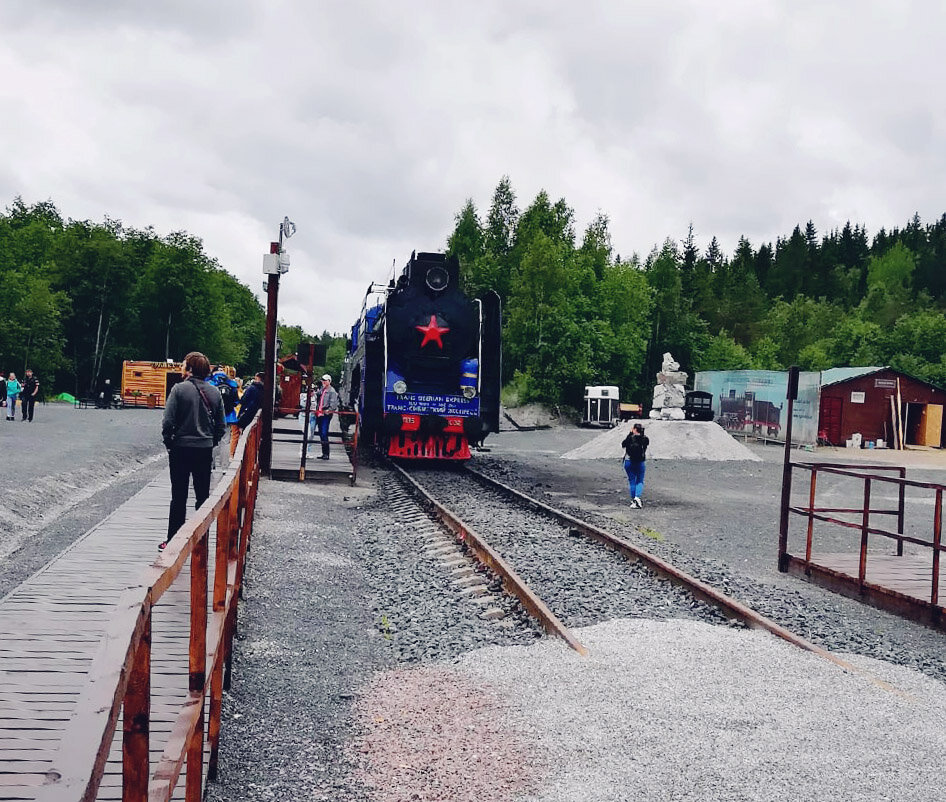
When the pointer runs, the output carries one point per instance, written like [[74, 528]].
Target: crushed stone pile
[[669, 439]]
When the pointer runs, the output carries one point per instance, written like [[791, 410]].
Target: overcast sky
[[370, 123]]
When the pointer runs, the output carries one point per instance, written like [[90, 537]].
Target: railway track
[[569, 573]]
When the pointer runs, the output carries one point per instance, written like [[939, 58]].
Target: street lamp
[[275, 263]]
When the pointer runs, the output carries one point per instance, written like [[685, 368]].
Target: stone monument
[[670, 392]]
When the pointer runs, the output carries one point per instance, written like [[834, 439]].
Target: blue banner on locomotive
[[424, 361]]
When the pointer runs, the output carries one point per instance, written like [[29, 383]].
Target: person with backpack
[[193, 424], [227, 388], [635, 456]]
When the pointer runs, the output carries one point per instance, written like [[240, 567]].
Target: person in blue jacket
[[228, 392], [250, 402], [13, 390]]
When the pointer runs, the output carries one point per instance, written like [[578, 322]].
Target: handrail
[[120, 674], [869, 475]]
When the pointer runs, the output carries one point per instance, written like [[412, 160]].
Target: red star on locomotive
[[432, 332]]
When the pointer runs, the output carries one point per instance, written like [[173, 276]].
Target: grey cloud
[[195, 20], [370, 124]]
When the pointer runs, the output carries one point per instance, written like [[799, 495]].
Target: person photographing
[[635, 456]]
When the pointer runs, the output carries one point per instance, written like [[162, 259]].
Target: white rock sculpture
[[670, 392]]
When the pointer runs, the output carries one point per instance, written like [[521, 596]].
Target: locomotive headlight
[[437, 279], [469, 392], [400, 387]]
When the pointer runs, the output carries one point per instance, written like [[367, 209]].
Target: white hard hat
[[326, 376]]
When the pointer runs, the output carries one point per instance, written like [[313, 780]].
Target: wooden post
[[937, 544], [216, 703], [269, 357], [811, 513], [791, 395], [901, 497], [221, 553], [865, 526], [197, 659], [136, 724], [900, 416], [308, 411]]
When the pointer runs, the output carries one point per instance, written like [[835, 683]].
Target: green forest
[[577, 313], [78, 298]]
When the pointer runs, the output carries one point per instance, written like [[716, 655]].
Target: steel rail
[[512, 582], [729, 606]]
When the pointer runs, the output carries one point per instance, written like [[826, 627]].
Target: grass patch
[[653, 534]]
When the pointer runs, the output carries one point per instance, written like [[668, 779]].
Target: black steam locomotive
[[423, 365], [746, 413]]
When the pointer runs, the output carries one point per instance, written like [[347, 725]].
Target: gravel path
[[682, 710]]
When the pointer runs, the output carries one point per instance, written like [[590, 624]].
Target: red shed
[[859, 400]]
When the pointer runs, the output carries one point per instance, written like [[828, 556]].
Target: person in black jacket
[[28, 395], [194, 422], [635, 456], [251, 401]]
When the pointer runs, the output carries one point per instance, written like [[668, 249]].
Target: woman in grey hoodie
[[194, 422]]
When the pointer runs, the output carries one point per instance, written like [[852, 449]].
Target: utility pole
[[275, 263]]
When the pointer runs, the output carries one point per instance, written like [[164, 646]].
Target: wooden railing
[[869, 476], [120, 674]]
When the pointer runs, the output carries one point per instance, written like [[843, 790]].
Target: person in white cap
[[326, 402]]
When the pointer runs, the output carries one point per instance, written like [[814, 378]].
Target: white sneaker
[[638, 503]]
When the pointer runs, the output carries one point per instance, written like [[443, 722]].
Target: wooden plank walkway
[[910, 576], [287, 453], [52, 625], [899, 584]]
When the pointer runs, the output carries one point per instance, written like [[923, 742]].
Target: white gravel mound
[[696, 440], [688, 711]]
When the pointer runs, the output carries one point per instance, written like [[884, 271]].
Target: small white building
[[602, 406]]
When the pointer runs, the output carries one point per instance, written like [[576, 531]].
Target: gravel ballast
[[360, 673]]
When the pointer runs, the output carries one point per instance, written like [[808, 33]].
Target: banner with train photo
[[753, 402]]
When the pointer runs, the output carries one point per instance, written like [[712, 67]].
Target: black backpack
[[229, 396]]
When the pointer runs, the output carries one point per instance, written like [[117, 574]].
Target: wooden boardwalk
[[52, 626], [900, 584], [909, 576], [287, 454]]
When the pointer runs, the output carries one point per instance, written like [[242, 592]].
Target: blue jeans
[[11, 405], [635, 477], [319, 424]]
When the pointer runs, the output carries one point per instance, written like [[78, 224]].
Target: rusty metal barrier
[[120, 674], [869, 475]]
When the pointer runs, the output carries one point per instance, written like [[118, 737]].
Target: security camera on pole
[[275, 263]]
